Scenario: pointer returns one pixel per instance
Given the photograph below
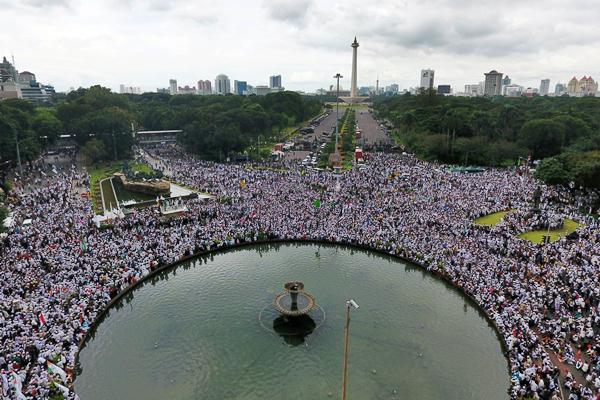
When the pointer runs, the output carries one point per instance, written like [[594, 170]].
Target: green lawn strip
[[537, 237], [97, 173], [491, 219], [141, 167]]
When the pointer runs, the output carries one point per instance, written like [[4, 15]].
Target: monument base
[[355, 100]]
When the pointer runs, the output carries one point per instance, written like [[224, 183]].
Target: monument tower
[[353, 88]]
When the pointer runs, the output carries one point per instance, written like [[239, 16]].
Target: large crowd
[[58, 273]]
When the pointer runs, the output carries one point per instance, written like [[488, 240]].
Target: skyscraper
[[560, 89], [545, 87], [275, 82], [204, 87], [427, 76], [173, 86], [493, 83], [222, 84], [240, 87]]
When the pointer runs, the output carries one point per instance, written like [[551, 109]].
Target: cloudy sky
[[147, 42]]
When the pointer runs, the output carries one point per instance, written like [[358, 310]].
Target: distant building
[[262, 90], [123, 89], [530, 92], [560, 89], [240, 87], [204, 87], [10, 90], [186, 90], [427, 77], [173, 86], [163, 90], [275, 81], [506, 81], [222, 84], [513, 90], [584, 87], [493, 83], [444, 89], [474, 90], [26, 77], [544, 87], [37, 93], [393, 88], [8, 72]]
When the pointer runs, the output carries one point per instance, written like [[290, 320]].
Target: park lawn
[[537, 237], [142, 168], [491, 219]]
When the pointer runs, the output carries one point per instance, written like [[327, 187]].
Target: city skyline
[[69, 43]]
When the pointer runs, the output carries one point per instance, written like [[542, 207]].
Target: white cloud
[[147, 42]]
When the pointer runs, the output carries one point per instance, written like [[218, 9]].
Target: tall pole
[[337, 110], [18, 154], [346, 338]]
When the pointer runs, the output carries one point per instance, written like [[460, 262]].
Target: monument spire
[[353, 88]]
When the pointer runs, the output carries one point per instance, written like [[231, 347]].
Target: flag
[[18, 385], [42, 319], [317, 203], [64, 390], [56, 370]]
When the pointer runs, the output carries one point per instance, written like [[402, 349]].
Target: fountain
[[294, 305]]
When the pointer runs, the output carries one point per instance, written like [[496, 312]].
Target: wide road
[[372, 133], [327, 124]]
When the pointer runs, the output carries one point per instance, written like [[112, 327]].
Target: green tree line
[[498, 131], [102, 121]]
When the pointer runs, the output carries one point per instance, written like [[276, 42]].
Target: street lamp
[[349, 304], [337, 109]]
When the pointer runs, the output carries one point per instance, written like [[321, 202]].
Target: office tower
[[222, 84], [275, 82], [173, 86], [493, 83], [444, 89], [560, 89], [427, 76], [544, 87], [240, 87]]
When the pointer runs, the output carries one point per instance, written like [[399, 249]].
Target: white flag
[[62, 388], [56, 370]]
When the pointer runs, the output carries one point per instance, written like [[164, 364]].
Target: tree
[[94, 151], [3, 216], [543, 137], [553, 172]]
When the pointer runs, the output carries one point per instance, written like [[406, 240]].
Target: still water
[[194, 333]]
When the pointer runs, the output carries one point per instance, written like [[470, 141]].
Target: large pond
[[202, 331]]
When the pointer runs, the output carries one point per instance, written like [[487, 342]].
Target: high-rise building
[[186, 90], [474, 90], [493, 83], [8, 72], [560, 89], [222, 84], [240, 87], [204, 87], [506, 81], [173, 86], [512, 90], [427, 76], [123, 89], [544, 87], [275, 81], [584, 87]]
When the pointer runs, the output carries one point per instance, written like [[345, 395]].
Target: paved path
[[372, 133]]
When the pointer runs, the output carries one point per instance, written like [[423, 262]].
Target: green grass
[[141, 167], [491, 219], [537, 237], [97, 173]]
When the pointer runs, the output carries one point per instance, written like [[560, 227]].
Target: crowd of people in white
[[59, 273]]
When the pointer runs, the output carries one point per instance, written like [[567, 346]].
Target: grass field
[[141, 167], [569, 227], [491, 219]]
